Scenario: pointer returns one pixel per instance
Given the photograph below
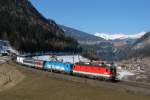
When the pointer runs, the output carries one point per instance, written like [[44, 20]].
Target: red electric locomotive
[[106, 71]]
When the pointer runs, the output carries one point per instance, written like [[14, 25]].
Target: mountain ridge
[[140, 48], [81, 36], [28, 31], [120, 36]]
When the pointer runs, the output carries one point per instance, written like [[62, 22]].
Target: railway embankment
[[127, 86], [9, 76]]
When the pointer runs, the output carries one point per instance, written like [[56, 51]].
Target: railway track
[[131, 87], [136, 84]]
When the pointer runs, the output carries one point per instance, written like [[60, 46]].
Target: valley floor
[[40, 87]]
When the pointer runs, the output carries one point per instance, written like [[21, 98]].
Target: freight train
[[88, 69]]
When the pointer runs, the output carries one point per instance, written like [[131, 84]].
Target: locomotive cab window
[[106, 70]]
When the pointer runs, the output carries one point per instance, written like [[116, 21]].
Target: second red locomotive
[[107, 71]]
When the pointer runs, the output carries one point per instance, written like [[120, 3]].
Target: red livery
[[95, 70], [39, 64]]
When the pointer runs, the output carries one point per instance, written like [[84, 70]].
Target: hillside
[[38, 86], [142, 46], [28, 31], [81, 36], [9, 76], [93, 47], [136, 58]]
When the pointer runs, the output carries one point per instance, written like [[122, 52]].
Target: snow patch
[[65, 58], [123, 74]]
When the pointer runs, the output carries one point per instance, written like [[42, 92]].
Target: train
[[87, 69]]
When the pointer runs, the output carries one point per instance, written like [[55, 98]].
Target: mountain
[[119, 36], [140, 48], [93, 47], [120, 40], [127, 40], [136, 59], [28, 31], [142, 42], [82, 37]]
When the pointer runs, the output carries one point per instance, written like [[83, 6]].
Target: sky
[[103, 16]]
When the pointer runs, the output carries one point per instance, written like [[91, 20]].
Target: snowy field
[[65, 58], [124, 75]]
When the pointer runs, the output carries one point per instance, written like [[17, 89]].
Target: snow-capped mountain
[[120, 36]]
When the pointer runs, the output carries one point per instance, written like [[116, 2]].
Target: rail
[[131, 87]]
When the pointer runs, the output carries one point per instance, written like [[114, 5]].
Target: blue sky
[[106, 16]]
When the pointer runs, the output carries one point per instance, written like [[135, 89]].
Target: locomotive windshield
[[112, 69]]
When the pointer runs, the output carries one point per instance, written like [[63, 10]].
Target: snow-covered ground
[[5, 47], [65, 58], [124, 75], [139, 66]]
